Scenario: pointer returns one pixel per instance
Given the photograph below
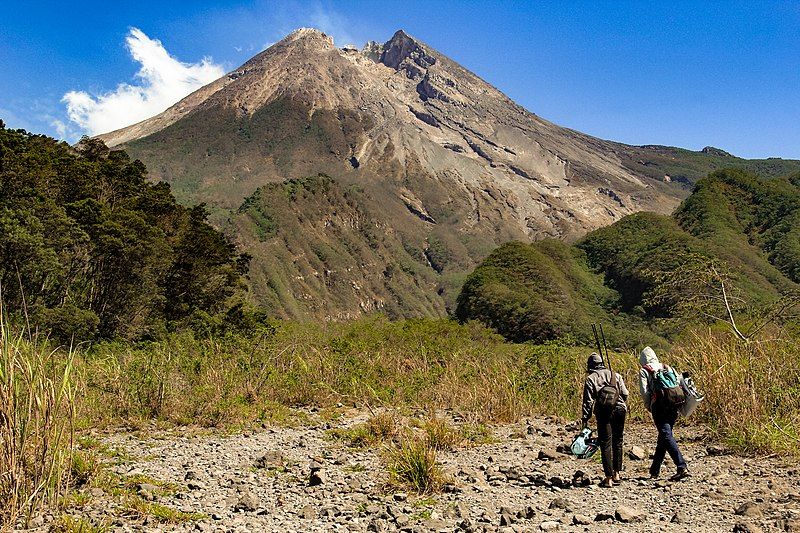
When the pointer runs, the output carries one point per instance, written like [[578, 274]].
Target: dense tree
[[89, 247]]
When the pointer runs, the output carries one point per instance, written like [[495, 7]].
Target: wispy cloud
[[332, 23], [163, 80]]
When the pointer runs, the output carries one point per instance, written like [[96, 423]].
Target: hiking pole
[[597, 340], [608, 357]]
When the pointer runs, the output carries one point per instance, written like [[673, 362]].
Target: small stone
[[751, 509], [637, 453], [247, 502], [506, 519], [308, 512], [272, 460], [195, 485], [550, 525], [560, 503], [527, 513], [402, 520], [316, 478], [627, 514], [581, 520], [547, 455], [716, 450], [602, 517], [746, 527], [400, 496], [678, 518]]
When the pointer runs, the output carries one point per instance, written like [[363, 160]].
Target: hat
[[595, 362]]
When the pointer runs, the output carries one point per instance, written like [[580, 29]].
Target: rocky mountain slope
[[428, 168]]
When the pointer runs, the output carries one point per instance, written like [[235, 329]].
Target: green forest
[[89, 249]]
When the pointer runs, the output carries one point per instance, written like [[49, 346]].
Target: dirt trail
[[259, 481]]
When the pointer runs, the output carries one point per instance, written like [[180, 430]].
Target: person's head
[[648, 357], [595, 362]]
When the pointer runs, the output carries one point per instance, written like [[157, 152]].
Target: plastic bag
[[584, 445]]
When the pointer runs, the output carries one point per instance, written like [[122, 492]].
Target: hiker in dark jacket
[[610, 423], [664, 417]]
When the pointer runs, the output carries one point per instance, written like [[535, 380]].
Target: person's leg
[[604, 436], [618, 436], [671, 443], [661, 445]]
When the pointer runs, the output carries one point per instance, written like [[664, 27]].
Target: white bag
[[693, 396]]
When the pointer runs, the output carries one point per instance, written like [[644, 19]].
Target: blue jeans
[[664, 420]]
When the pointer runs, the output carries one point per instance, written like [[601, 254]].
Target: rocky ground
[[300, 479]]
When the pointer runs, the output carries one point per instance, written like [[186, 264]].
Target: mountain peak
[[403, 52], [311, 36]]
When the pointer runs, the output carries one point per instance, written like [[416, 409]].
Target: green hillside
[[648, 274]]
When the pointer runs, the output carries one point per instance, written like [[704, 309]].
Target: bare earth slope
[[446, 166]]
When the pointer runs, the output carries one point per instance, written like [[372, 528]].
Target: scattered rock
[[627, 514], [308, 512], [272, 460], [581, 520], [550, 525], [247, 502], [751, 509], [400, 496], [547, 455], [560, 503], [678, 518], [637, 453], [527, 513], [506, 518], [746, 527], [717, 450]]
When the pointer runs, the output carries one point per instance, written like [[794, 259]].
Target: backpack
[[667, 389], [607, 396]]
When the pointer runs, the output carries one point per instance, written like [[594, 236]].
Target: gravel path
[[261, 481]]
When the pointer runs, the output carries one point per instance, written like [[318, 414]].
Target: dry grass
[[752, 389], [412, 465], [36, 415]]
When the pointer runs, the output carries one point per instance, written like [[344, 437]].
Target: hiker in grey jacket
[[610, 425], [664, 417]]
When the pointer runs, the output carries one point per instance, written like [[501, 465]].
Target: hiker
[[662, 395], [605, 394]]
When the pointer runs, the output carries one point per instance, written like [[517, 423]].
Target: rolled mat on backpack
[[693, 395]]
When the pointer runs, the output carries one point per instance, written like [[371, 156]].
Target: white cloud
[[332, 23], [163, 80]]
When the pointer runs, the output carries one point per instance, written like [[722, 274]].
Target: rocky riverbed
[[300, 479]]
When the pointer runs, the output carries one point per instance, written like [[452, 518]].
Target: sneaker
[[682, 474]]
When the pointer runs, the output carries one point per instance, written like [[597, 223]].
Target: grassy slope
[[733, 218]]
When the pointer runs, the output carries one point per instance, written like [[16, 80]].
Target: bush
[[412, 464]]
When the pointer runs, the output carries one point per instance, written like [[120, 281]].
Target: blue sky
[[688, 74]]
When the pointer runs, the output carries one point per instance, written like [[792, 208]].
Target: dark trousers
[[664, 420], [610, 429]]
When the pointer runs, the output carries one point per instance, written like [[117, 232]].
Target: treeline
[[732, 247], [90, 249]]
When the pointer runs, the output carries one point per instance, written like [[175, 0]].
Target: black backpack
[[607, 396]]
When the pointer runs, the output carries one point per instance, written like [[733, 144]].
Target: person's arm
[[623, 390], [588, 401], [644, 388]]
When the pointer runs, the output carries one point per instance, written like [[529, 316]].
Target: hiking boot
[[682, 474], [607, 483]]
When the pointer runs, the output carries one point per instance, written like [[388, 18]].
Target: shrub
[[412, 464]]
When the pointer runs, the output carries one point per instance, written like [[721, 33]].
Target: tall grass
[[752, 389], [36, 415]]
